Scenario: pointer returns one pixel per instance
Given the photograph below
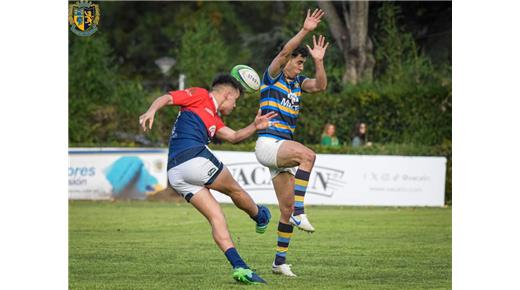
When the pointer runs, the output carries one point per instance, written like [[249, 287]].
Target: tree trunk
[[351, 35]]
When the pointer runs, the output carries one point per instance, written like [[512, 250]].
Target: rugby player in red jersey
[[193, 169]]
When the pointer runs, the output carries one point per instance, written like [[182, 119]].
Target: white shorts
[[266, 150], [191, 176]]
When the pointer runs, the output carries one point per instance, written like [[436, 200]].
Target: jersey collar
[[290, 83], [214, 101]]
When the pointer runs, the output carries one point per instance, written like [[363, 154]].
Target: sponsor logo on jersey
[[290, 104], [293, 97]]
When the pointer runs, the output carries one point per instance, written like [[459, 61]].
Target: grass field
[[152, 245]]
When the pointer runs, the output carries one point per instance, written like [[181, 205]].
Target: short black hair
[[227, 79], [300, 50]]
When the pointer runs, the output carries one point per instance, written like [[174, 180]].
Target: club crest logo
[[212, 130], [83, 18]]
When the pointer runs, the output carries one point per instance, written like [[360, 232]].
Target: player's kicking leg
[[292, 154], [206, 204], [226, 184]]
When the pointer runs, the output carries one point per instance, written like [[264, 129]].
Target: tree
[[351, 35], [200, 61], [398, 57], [92, 75]]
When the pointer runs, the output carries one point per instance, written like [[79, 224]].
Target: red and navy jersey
[[195, 126]]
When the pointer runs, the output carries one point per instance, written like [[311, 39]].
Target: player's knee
[[219, 228], [217, 221], [308, 157], [312, 156]]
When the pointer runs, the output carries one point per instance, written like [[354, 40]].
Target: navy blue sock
[[263, 216], [234, 259], [255, 218]]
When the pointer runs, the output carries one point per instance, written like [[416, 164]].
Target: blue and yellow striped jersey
[[283, 97]]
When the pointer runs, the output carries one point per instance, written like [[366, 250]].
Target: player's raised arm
[[311, 22], [156, 105], [319, 83], [181, 98], [232, 136]]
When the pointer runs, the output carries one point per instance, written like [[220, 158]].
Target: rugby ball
[[247, 77]]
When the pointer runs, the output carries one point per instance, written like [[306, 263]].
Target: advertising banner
[[350, 179], [115, 173]]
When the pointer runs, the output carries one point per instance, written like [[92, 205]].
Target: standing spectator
[[360, 136], [328, 138]]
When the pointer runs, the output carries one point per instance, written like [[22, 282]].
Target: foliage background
[[407, 106]]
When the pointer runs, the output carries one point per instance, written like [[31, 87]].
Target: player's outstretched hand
[[312, 20], [146, 117], [318, 51], [262, 121]]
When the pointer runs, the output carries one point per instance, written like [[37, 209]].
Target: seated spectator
[[328, 138], [359, 137]]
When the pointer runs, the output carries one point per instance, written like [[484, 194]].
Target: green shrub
[[91, 87], [101, 102], [393, 113]]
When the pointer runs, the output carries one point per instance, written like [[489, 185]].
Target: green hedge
[[102, 102], [393, 113]]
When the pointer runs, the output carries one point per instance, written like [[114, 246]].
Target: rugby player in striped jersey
[[290, 162]]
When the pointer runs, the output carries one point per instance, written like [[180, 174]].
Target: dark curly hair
[[300, 50]]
